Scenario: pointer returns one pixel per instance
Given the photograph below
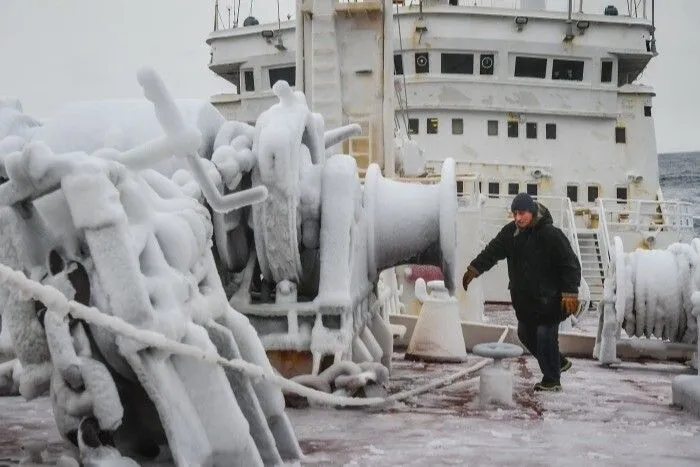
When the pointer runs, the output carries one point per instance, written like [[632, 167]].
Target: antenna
[[216, 15]]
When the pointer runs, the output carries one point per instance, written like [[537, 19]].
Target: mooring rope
[[56, 302]]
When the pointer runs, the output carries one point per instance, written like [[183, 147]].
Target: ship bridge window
[[398, 64], [413, 126], [531, 189], [432, 127], [486, 64], [248, 80], [606, 69], [513, 188], [512, 129], [422, 62], [531, 130], [620, 134], [457, 126], [592, 193], [621, 194], [570, 70], [550, 131], [530, 67], [462, 64], [287, 73], [572, 193], [494, 189], [492, 127]]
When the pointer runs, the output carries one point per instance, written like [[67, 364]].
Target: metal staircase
[[592, 268]]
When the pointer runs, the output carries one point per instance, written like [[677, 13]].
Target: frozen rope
[[56, 302]]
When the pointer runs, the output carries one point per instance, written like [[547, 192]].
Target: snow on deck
[[606, 416], [615, 417]]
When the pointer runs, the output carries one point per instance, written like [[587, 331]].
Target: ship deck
[[617, 416]]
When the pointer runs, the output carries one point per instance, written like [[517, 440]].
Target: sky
[[53, 52]]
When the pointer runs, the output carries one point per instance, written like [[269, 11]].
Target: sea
[[679, 175]]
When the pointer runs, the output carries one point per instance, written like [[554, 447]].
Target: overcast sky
[[57, 51]]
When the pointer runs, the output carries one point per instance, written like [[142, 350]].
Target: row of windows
[[513, 128], [463, 63], [513, 188], [525, 67], [287, 73], [450, 63], [492, 128]]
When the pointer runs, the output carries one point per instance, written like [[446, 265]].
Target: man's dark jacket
[[541, 265]]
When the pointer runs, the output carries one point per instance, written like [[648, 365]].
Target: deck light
[[520, 22]]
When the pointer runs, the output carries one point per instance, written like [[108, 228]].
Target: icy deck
[[619, 417]]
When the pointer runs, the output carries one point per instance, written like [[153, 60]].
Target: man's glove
[[569, 303], [469, 276]]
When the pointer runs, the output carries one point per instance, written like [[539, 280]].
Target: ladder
[[591, 262]]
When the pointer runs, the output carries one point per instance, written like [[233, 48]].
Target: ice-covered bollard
[[496, 380], [437, 336]]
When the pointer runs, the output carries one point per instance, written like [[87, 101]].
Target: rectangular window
[[592, 193], [647, 111], [249, 80], [492, 127], [457, 126], [432, 126], [462, 64], [412, 126], [550, 131], [531, 189], [486, 64], [398, 64], [494, 189], [460, 187], [620, 134], [422, 62], [513, 188], [287, 74], [572, 193], [606, 69], [513, 129], [621, 194], [530, 67], [531, 130], [569, 70]]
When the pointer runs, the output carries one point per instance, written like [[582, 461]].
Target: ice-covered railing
[[644, 215], [568, 224], [603, 234], [496, 209]]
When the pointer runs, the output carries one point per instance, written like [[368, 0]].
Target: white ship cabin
[[523, 97]]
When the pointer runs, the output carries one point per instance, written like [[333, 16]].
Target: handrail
[[644, 215], [635, 9], [227, 13], [603, 234], [572, 233]]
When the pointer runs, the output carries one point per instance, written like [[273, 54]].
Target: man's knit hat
[[523, 202]]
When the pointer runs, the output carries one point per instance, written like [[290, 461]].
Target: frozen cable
[[56, 302]]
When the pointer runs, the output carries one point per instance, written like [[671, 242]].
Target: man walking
[[544, 275]]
